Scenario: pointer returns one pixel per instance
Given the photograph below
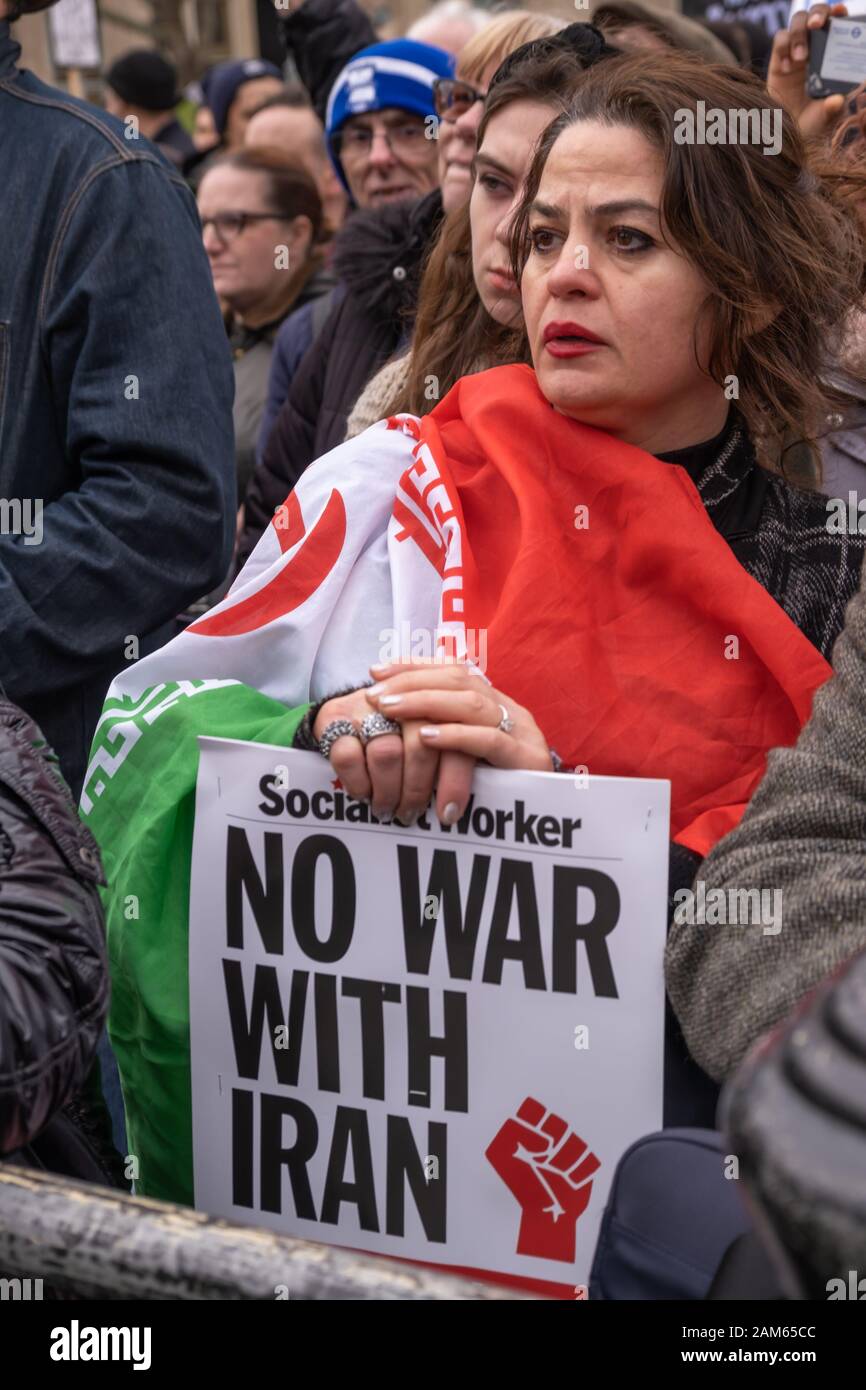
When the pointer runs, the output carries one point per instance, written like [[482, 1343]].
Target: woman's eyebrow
[[490, 163], [551, 210], [615, 208]]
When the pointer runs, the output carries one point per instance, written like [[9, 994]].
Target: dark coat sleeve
[[142, 391], [53, 971], [292, 343], [321, 37], [292, 444], [803, 837]]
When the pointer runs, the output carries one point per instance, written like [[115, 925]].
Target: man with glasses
[[381, 121]]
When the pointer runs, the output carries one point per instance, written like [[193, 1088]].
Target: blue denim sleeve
[[142, 390], [292, 341]]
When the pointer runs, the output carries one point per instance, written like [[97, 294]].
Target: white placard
[[432, 1043], [73, 26]]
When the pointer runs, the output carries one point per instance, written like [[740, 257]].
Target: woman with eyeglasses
[[261, 222], [459, 99]]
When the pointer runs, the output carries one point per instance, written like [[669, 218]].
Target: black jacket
[[53, 970], [379, 256], [321, 36]]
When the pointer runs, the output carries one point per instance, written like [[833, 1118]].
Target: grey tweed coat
[[805, 834]]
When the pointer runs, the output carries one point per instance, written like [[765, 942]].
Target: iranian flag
[[582, 574]]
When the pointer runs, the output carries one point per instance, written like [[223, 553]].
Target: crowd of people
[[487, 234]]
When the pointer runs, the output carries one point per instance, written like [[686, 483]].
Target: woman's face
[[501, 167], [456, 147], [248, 273], [610, 310]]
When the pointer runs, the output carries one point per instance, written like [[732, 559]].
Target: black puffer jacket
[[53, 971], [321, 37], [379, 256]]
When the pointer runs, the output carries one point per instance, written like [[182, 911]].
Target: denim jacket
[[117, 480]]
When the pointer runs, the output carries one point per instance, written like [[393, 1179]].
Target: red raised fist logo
[[549, 1171]]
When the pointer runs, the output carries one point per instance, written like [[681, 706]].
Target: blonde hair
[[500, 37]]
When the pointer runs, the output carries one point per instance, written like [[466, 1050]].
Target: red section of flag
[[609, 602], [288, 523], [298, 579]]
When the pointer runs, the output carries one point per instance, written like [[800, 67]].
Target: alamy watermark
[[737, 126], [729, 907], [21, 1290], [408, 643], [22, 518]]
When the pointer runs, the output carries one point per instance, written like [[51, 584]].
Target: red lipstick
[[570, 340]]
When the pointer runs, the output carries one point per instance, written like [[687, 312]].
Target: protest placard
[[433, 1042]]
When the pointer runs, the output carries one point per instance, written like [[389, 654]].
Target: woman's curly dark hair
[[780, 248]]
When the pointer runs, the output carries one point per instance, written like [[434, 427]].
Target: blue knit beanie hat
[[398, 73]]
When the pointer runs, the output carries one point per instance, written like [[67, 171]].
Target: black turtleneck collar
[[726, 474], [697, 457], [10, 51]]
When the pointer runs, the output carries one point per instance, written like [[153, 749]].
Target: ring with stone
[[376, 725], [506, 723], [338, 728]]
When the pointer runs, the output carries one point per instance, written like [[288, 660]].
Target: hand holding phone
[[837, 57], [789, 66]]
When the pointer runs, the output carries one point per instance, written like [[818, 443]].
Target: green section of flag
[[143, 820]]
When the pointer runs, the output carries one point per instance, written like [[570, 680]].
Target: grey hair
[[476, 18]]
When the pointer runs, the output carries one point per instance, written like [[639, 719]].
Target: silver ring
[[338, 728], [375, 725], [506, 723]]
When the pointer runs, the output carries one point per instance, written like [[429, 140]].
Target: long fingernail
[[375, 689], [381, 666], [429, 733], [391, 700], [451, 813]]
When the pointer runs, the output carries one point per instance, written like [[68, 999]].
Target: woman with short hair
[[262, 223]]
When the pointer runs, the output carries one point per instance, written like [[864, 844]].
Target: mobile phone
[[837, 57]]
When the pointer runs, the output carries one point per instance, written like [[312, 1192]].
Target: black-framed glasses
[[354, 143], [451, 97], [230, 225]]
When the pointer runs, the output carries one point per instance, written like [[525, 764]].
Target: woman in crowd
[[261, 220], [379, 259], [469, 312], [695, 344], [652, 602], [460, 102]]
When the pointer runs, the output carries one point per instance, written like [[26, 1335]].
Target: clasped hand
[[449, 717]]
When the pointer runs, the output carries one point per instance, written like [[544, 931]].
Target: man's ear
[[302, 231]]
